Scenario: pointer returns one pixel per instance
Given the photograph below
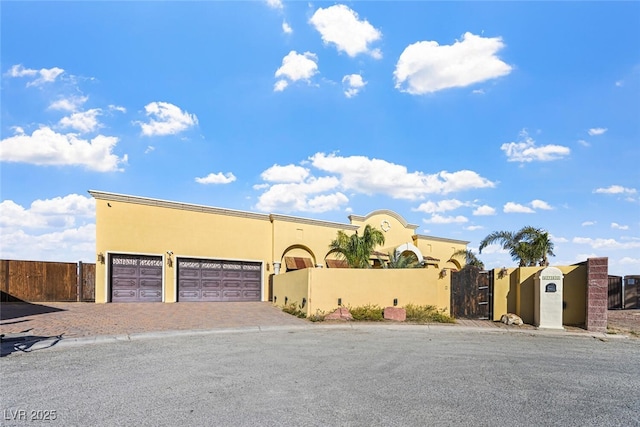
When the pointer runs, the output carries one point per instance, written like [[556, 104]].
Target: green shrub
[[318, 317], [294, 310], [427, 314], [367, 312]]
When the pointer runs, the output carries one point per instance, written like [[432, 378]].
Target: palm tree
[[470, 258], [356, 249], [398, 260], [529, 246]]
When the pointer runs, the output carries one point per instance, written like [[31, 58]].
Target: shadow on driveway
[[15, 310]]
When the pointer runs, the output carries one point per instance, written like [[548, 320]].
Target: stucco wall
[[152, 230], [514, 293], [358, 287]]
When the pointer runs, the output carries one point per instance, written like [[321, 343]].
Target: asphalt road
[[364, 376]]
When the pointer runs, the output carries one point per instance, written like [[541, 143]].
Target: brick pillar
[[597, 294]]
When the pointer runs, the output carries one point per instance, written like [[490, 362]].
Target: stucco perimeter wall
[[292, 287], [513, 292], [136, 228], [358, 287]]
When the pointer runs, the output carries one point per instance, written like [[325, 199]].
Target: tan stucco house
[[165, 251]]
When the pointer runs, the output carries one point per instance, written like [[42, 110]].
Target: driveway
[[76, 320]]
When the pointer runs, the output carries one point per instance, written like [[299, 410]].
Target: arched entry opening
[[297, 257]]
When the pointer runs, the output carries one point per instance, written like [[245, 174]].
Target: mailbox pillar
[[548, 299]]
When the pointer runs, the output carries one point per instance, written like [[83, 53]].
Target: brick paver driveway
[[72, 320]]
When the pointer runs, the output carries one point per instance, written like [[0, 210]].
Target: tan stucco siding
[[514, 293], [151, 230], [359, 287]]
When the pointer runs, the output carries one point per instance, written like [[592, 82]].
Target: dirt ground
[[624, 321]]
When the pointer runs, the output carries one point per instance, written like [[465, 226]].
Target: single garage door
[[218, 280], [136, 278]]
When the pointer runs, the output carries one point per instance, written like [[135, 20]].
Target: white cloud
[[588, 223], [615, 189], [295, 67], [606, 243], [583, 143], [85, 121], [286, 28], [288, 173], [303, 197], [166, 119], [541, 204], [217, 178], [44, 75], [275, 4], [619, 83], [630, 261], [478, 91], [56, 212], [617, 226], [441, 206], [149, 149], [280, 85], [341, 26], [511, 207], [474, 227], [71, 244], [527, 151], [117, 108], [596, 131], [72, 103], [369, 176], [484, 210], [46, 147], [352, 84], [439, 219], [426, 67]]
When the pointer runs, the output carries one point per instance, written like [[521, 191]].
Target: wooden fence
[[41, 281]]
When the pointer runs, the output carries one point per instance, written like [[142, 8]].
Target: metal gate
[[219, 280], [472, 294], [615, 292], [136, 278]]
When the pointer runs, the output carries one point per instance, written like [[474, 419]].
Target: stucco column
[[597, 294], [276, 267]]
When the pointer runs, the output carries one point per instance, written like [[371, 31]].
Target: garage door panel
[[211, 284], [150, 295], [211, 294], [251, 294], [151, 284], [219, 280], [124, 271], [190, 274]]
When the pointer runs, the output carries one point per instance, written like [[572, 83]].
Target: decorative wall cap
[[124, 198], [113, 197], [391, 213], [441, 239], [309, 221]]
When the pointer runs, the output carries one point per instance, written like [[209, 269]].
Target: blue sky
[[463, 117]]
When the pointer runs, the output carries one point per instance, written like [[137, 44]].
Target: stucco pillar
[[597, 294], [276, 267]]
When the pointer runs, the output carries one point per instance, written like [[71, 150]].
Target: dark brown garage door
[[217, 280], [136, 278]]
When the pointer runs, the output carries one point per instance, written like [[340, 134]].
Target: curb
[[18, 340]]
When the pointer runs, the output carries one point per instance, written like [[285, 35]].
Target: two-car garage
[[138, 278]]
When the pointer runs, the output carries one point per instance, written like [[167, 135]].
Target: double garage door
[[218, 280], [138, 278]]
